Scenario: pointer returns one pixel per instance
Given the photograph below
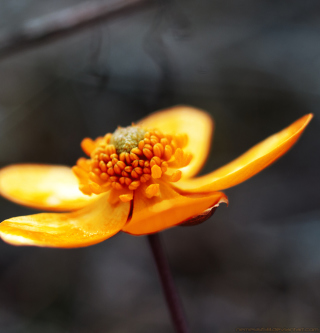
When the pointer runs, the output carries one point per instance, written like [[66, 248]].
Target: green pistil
[[127, 138]]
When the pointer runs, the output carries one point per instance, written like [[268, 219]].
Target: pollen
[[129, 157]]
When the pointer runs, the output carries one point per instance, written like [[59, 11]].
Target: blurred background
[[254, 66]]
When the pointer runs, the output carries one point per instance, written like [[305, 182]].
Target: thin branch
[[168, 286], [44, 29]]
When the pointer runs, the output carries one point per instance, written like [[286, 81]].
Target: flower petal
[[87, 226], [197, 124], [250, 163], [42, 186], [168, 209]]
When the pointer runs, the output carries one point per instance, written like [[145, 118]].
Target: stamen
[[130, 156], [126, 197], [152, 190], [156, 171]]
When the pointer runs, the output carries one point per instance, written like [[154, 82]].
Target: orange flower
[[138, 180]]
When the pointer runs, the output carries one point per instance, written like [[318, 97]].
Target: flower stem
[[169, 289]]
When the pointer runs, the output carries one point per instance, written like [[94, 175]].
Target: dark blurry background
[[254, 65]]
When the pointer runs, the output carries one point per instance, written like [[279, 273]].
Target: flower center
[[125, 139], [129, 157]]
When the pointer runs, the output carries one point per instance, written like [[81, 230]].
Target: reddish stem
[[168, 286]]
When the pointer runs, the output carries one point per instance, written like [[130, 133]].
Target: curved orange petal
[[250, 163], [90, 225], [168, 209], [42, 186], [197, 124]]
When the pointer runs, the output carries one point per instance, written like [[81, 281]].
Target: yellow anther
[[88, 145], [116, 169], [155, 161], [147, 153], [152, 190], [141, 145], [83, 163], [122, 157], [128, 159], [79, 172], [94, 178], [133, 156], [102, 166], [110, 171], [164, 141], [95, 188], [85, 189], [176, 176], [164, 167], [146, 170], [138, 170], [126, 197], [178, 155], [134, 185], [136, 151], [104, 176], [124, 174], [134, 174], [135, 163], [117, 186], [145, 177], [97, 171], [156, 171], [121, 165], [158, 149]]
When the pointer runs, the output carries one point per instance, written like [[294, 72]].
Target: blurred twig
[[41, 30]]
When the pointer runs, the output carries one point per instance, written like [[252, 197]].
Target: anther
[[133, 156], [152, 190], [167, 152], [121, 165], [104, 176], [102, 166], [147, 153], [134, 185], [116, 169], [136, 151], [156, 171], [126, 197], [145, 177], [110, 171], [158, 149], [117, 186], [97, 171], [128, 159], [94, 178], [146, 170], [134, 174], [135, 163], [141, 145]]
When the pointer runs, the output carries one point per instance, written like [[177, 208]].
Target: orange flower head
[[138, 179]]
